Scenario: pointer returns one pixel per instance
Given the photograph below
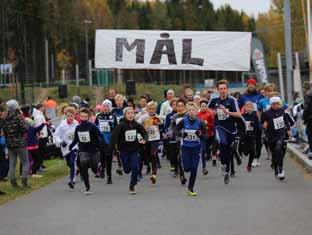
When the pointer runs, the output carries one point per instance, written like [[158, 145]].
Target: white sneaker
[[254, 163], [88, 192], [258, 163], [37, 176], [281, 176]]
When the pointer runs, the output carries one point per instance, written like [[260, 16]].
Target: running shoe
[[258, 163], [109, 180], [205, 171], [132, 191], [254, 163], [232, 174], [153, 179], [88, 191], [71, 185], [281, 176], [249, 168], [36, 176], [226, 178], [119, 171], [183, 180], [191, 193]]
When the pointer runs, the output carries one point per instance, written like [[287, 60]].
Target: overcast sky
[[249, 6]]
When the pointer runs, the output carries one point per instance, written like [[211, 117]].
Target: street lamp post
[[86, 22]]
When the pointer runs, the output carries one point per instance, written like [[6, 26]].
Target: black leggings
[[175, 158], [87, 160], [37, 160], [278, 149]]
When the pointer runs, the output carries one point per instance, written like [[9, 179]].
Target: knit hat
[[76, 99], [251, 81], [12, 105], [108, 103], [275, 99], [125, 110]]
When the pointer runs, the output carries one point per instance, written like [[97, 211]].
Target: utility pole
[[288, 48], [309, 37], [86, 22]]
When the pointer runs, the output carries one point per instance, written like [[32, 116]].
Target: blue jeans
[[130, 162], [190, 160], [71, 159]]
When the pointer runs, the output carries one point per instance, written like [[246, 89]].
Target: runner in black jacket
[[88, 137], [127, 137]]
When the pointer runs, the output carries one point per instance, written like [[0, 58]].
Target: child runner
[[226, 111], [88, 138], [192, 129], [152, 124], [206, 115], [127, 136], [119, 114], [176, 140], [276, 123], [252, 131], [63, 136], [106, 122]]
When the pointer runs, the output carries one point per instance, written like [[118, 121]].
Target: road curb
[[298, 156]]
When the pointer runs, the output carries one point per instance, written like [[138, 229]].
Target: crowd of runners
[[211, 127]]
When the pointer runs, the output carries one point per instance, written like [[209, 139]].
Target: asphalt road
[[253, 203]]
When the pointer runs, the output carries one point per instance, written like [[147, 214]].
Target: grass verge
[[56, 168]]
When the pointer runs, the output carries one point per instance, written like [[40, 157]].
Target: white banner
[[174, 50]]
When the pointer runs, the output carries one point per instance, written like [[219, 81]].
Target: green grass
[[56, 169]]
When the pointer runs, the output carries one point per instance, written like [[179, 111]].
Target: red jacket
[[208, 118]]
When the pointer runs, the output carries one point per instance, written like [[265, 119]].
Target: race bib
[[249, 127], [130, 136], [279, 123], [221, 115], [104, 126], [70, 136], [153, 133], [84, 137], [191, 135]]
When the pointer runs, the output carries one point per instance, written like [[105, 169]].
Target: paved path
[[252, 204]]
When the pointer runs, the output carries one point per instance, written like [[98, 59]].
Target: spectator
[[14, 129], [50, 107], [165, 108], [188, 94], [307, 117]]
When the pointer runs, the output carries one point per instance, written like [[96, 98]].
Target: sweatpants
[[22, 154], [88, 160], [225, 140], [278, 149], [190, 160], [130, 162], [206, 145], [71, 159], [152, 151], [249, 148], [107, 161]]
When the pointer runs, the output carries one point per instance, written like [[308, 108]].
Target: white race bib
[[84, 137], [249, 127], [279, 123], [70, 136], [191, 135], [221, 115], [104, 126], [130, 136], [153, 133]]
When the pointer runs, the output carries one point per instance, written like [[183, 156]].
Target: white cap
[[275, 99], [12, 105], [108, 103], [196, 97]]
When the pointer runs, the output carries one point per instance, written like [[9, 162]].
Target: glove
[[198, 133], [63, 144]]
